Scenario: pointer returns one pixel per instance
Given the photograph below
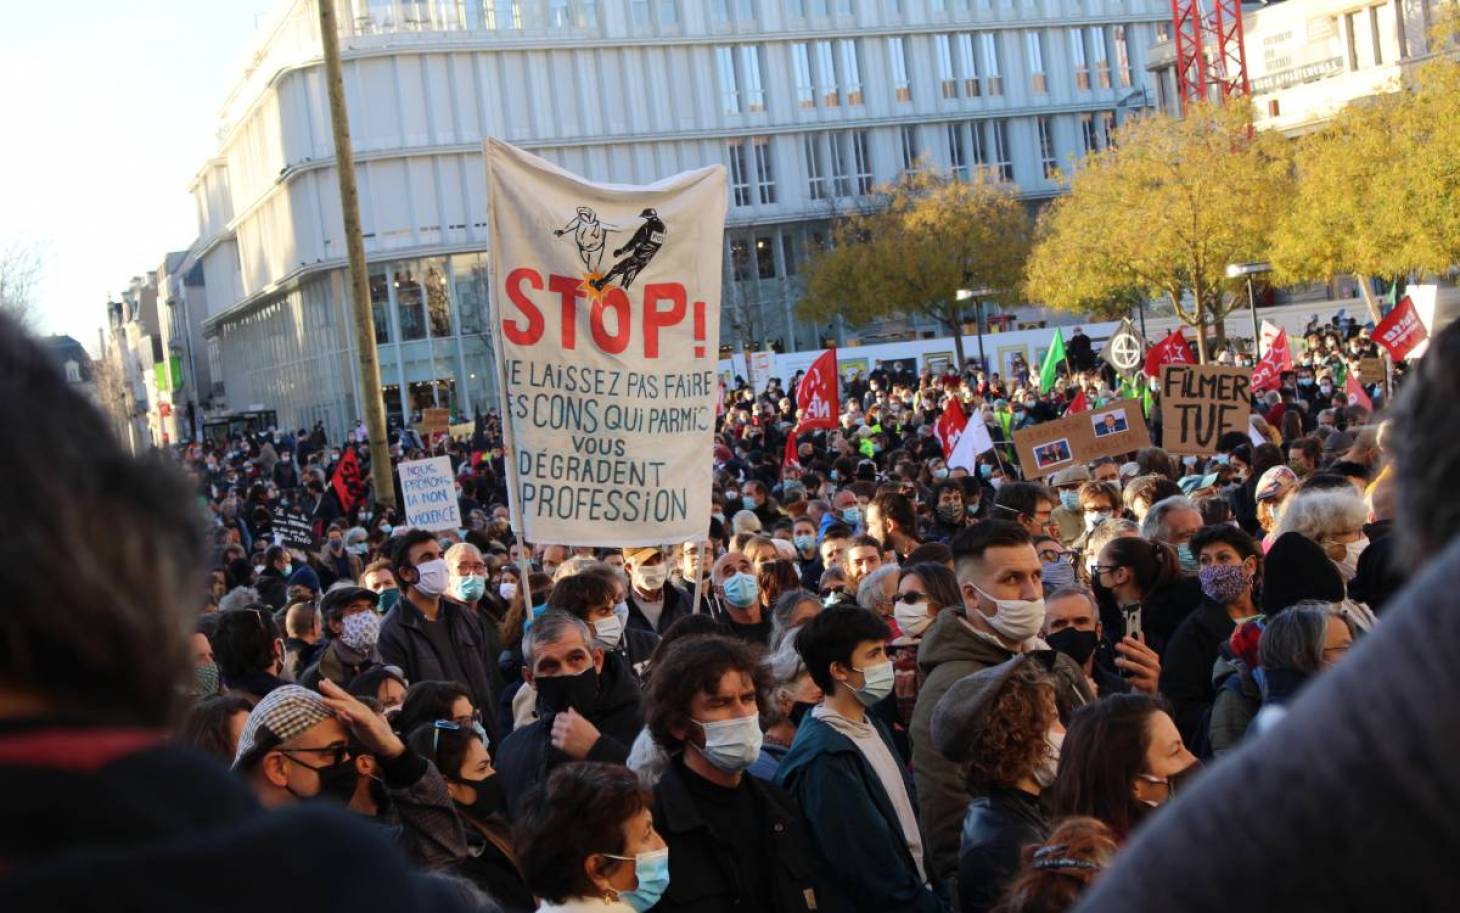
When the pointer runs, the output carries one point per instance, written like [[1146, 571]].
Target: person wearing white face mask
[[734, 841], [998, 617], [654, 603], [1004, 724], [923, 590], [844, 772], [431, 638], [594, 595]]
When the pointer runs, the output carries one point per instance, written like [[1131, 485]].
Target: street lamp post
[[1247, 271], [976, 295]]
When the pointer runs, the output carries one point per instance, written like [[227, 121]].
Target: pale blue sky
[[109, 109]]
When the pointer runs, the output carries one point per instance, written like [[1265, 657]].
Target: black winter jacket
[[403, 643], [527, 755], [702, 873]]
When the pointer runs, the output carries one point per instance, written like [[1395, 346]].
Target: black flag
[[1125, 349]]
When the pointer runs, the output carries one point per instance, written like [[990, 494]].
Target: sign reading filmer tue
[[608, 301]]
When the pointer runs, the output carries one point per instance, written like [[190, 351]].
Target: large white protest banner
[[428, 493], [607, 298]]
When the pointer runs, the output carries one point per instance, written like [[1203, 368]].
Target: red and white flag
[[1356, 394], [1402, 330], [1172, 350], [816, 395], [1078, 404], [1267, 375], [949, 426], [974, 440]]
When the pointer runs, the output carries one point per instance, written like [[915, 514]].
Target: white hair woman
[[1333, 518]]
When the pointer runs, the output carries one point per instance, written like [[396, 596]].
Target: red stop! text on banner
[[610, 316]]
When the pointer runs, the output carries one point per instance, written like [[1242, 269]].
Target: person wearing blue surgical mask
[[736, 581], [1055, 559], [703, 709], [808, 558], [618, 862]]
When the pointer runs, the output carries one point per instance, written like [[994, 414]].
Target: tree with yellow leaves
[[1376, 188], [926, 237], [1163, 212]]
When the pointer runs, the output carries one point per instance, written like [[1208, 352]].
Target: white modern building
[[1306, 59], [808, 103]]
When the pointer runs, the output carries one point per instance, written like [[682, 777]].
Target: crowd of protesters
[[880, 682]]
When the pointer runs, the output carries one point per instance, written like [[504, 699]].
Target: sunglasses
[[338, 754], [453, 726]]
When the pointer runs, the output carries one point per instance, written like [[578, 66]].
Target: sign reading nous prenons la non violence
[[609, 338]]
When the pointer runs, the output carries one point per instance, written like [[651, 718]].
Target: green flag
[[1392, 294], [1052, 358]]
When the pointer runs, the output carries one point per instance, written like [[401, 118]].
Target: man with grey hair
[[1174, 521], [1072, 627], [587, 711], [875, 592]]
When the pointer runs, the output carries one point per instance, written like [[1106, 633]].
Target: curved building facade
[[808, 103]]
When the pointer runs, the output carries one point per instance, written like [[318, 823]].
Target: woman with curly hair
[[1002, 722], [1057, 872]]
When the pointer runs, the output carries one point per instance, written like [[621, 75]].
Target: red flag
[[816, 395], [1172, 350], [950, 425], [791, 458], [1267, 375], [1402, 330], [1078, 404], [348, 485], [1356, 394]]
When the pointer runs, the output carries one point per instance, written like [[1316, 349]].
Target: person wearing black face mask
[[460, 752], [793, 694], [1072, 627], [587, 710], [298, 745]]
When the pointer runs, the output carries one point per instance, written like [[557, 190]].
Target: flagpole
[[509, 454]]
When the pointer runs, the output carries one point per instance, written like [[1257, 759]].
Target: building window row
[[754, 256], [838, 164], [968, 64], [650, 13], [742, 89], [742, 154], [980, 144], [828, 75], [800, 9]]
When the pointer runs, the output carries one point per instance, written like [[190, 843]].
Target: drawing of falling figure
[[641, 249], [589, 234]]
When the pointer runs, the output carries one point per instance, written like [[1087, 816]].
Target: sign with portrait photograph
[[1114, 429]]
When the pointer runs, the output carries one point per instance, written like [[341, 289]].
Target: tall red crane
[[1210, 60]]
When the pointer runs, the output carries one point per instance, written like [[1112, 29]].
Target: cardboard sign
[[428, 493], [607, 298], [1200, 403], [1104, 431], [434, 423], [294, 529], [1372, 370]]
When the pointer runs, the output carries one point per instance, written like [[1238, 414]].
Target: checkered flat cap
[[284, 713]]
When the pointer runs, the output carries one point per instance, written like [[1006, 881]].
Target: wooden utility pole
[[373, 403]]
